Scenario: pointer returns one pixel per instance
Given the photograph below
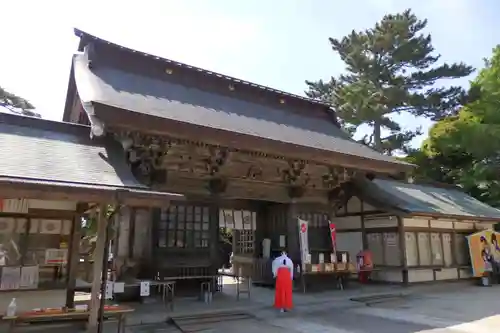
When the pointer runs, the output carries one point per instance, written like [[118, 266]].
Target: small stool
[[248, 282], [206, 287], [168, 293], [220, 283]]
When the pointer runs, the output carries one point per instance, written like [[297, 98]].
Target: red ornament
[[303, 227]]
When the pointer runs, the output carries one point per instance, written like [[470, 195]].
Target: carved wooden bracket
[[217, 185], [336, 176], [216, 161], [254, 172], [340, 194], [295, 174], [145, 154], [295, 192]]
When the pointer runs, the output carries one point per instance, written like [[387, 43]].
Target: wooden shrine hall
[[224, 143]]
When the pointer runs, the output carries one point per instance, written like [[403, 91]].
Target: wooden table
[[248, 281], [167, 289], [339, 275], [169, 282], [33, 318]]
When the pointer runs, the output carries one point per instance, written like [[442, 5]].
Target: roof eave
[[53, 190], [455, 217], [140, 122]]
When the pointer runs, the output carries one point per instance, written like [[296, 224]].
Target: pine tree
[[390, 69], [16, 104]]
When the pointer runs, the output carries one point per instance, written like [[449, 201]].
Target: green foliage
[[16, 104], [465, 149], [89, 227], [391, 69]]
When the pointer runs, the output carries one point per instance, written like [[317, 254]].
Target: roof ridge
[[81, 34], [40, 123]]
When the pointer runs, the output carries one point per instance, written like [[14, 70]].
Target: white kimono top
[[278, 263]]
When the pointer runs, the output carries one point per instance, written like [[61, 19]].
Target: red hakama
[[283, 290]]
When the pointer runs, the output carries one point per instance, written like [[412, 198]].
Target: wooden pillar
[[292, 242], [216, 186], [73, 257], [131, 235], [97, 269], [364, 236], [402, 248], [260, 229]]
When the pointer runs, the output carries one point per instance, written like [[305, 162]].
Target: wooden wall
[[436, 249], [415, 249]]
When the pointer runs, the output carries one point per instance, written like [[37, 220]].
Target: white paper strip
[[109, 290], [145, 288]]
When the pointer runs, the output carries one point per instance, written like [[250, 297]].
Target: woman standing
[[283, 273]]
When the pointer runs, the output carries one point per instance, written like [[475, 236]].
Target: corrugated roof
[[424, 199], [41, 150], [173, 101]]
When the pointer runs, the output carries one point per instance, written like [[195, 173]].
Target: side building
[[416, 232]]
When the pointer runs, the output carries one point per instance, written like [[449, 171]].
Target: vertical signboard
[[304, 241]]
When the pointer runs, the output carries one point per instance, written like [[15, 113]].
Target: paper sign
[[282, 241], [81, 307], [119, 287], [29, 277], [56, 256], [11, 277], [109, 290], [144, 288]]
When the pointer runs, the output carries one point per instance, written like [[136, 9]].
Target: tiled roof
[[425, 199], [177, 64], [164, 99], [43, 152]]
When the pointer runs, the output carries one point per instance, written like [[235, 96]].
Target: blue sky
[[278, 43]]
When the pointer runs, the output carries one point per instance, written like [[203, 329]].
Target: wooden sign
[[56, 256]]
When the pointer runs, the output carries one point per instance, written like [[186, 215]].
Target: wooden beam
[[84, 193], [97, 270], [73, 257], [292, 227]]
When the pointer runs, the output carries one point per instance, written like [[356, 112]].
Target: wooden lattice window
[[184, 227], [245, 242], [316, 220]]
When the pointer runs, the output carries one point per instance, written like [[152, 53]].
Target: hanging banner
[[304, 241], [333, 235]]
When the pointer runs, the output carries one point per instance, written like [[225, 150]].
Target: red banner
[[333, 235]]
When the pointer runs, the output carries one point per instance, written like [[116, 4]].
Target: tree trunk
[[377, 133]]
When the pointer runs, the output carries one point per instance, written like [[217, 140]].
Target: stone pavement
[[443, 308], [459, 307]]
